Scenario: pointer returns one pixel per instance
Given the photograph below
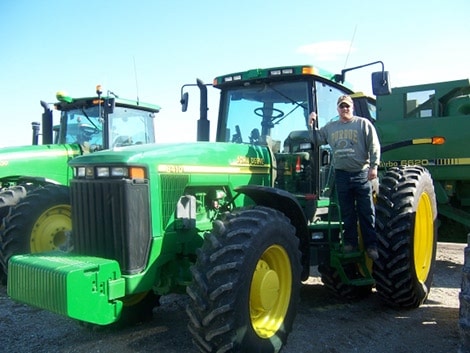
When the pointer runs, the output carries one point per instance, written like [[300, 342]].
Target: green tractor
[[35, 214], [237, 224]]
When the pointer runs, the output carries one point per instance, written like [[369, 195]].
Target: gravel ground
[[324, 324]]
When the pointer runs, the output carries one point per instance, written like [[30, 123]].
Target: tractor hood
[[185, 156], [46, 161]]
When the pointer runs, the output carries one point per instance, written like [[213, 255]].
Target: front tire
[[246, 283], [407, 228], [40, 222], [138, 308]]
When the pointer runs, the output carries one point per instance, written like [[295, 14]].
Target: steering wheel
[[86, 132], [122, 140], [88, 129], [262, 112]]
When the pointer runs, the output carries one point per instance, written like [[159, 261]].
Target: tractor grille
[[111, 219], [172, 189]]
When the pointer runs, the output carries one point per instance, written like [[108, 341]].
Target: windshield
[[127, 126], [280, 110], [273, 109], [83, 125], [130, 126]]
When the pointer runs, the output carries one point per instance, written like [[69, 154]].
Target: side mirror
[[184, 101], [381, 83]]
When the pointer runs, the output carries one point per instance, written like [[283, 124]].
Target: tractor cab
[[271, 107], [97, 123], [105, 122]]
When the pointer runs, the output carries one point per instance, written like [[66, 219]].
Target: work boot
[[373, 253]]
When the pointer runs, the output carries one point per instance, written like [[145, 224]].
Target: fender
[[28, 179], [284, 202]]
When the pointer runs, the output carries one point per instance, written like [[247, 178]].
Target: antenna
[[136, 82], [350, 46]]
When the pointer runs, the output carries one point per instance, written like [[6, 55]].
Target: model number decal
[[403, 162], [244, 160], [172, 168], [427, 162]]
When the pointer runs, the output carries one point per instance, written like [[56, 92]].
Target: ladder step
[[355, 255], [343, 262]]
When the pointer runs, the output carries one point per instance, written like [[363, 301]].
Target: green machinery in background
[[438, 109]]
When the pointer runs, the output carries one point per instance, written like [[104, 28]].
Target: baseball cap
[[345, 99]]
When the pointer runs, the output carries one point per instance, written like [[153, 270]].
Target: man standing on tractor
[[356, 156]]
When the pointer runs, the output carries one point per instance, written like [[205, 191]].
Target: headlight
[[102, 172], [111, 172], [119, 172], [80, 172]]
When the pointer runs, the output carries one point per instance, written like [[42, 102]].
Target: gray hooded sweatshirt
[[354, 143]]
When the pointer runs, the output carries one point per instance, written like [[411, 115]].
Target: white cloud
[[327, 51]]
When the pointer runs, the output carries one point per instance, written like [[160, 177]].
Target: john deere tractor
[[35, 213], [237, 224]]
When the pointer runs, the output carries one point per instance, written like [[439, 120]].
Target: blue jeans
[[356, 203]]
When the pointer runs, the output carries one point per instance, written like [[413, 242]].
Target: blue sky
[[151, 48]]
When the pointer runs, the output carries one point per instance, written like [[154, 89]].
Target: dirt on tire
[[324, 323]]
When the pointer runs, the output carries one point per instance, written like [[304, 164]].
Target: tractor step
[[353, 256], [342, 261]]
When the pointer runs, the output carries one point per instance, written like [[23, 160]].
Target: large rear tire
[[407, 228], [40, 222], [246, 283]]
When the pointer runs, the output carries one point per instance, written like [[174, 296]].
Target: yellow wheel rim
[[423, 243], [270, 291], [52, 230]]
